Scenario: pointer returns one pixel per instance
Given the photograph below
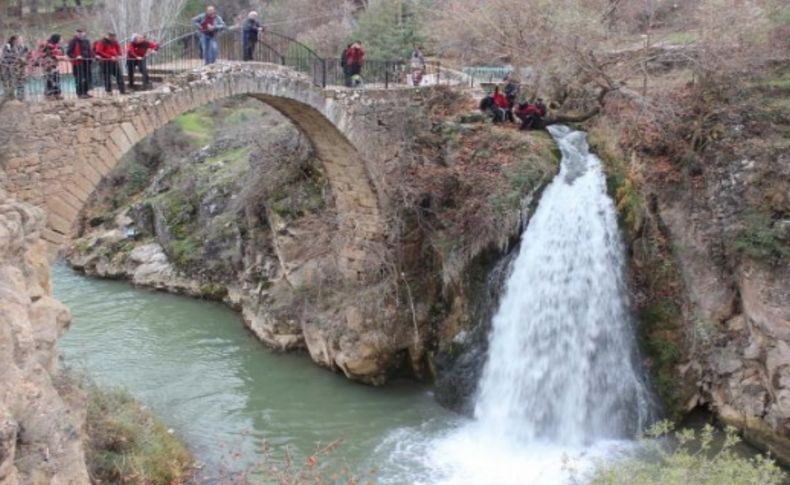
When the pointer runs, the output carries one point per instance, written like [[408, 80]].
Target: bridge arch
[[59, 155]]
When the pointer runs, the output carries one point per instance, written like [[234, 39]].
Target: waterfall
[[561, 389], [562, 364]]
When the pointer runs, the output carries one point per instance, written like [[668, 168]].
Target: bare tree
[[128, 17]]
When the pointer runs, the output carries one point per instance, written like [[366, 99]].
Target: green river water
[[199, 369]]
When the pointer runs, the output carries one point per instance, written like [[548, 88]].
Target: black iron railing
[[180, 50]]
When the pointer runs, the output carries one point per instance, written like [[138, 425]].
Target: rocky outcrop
[[738, 303], [40, 422], [710, 262]]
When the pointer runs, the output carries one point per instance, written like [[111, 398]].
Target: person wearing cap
[[136, 53], [108, 52], [249, 35], [208, 24], [81, 55]]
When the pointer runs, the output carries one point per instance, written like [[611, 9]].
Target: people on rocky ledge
[[531, 115], [501, 108], [495, 104], [512, 89]]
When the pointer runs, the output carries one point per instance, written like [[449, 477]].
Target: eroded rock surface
[[40, 429]]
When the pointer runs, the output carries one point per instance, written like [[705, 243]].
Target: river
[[198, 368]]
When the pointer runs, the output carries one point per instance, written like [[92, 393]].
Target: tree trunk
[[580, 118]]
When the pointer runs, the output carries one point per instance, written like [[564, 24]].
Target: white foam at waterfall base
[[561, 390]]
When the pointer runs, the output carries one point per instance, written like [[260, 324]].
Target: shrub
[[695, 459], [184, 252], [127, 444], [760, 239]]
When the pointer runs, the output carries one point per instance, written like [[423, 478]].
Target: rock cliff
[[710, 250], [40, 418]]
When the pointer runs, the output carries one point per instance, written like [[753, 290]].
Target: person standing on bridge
[[355, 58], [81, 55], [49, 57], [108, 52], [209, 24], [344, 65], [136, 53], [250, 30], [417, 65], [13, 62]]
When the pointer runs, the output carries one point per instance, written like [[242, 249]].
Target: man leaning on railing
[[209, 24], [136, 54], [108, 52]]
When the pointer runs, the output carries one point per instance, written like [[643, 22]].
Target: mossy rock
[[213, 291]]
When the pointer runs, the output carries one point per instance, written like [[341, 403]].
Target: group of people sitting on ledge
[[18, 63], [502, 107]]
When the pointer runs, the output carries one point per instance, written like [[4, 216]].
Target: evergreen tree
[[390, 28]]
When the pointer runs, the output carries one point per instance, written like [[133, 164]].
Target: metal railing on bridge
[[35, 79]]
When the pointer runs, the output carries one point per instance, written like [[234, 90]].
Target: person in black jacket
[[249, 35], [81, 54], [512, 90], [344, 65]]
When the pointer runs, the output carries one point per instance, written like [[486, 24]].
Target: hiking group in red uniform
[[18, 63]]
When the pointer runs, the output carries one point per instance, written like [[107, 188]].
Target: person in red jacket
[[355, 58], [531, 115], [500, 99], [136, 53], [108, 52], [502, 105]]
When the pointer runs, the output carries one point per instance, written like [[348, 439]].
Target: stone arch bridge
[[55, 154]]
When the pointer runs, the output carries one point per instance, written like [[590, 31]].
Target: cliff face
[[710, 255], [40, 419]]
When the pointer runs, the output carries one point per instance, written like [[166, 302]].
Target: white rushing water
[[561, 362], [561, 389]]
